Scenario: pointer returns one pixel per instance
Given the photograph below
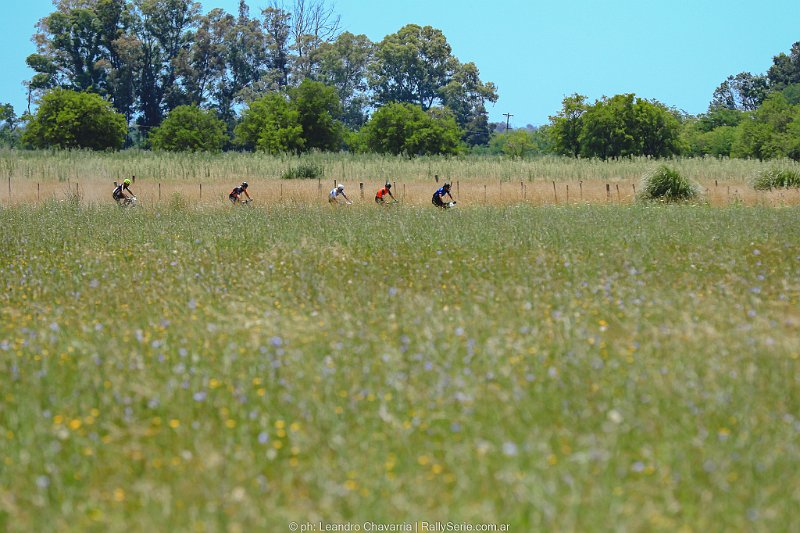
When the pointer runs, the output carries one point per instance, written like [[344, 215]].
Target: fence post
[[484, 194], [37, 192], [201, 191], [361, 186], [458, 189], [555, 194], [619, 198], [580, 185], [608, 192], [436, 177], [159, 192], [567, 192]]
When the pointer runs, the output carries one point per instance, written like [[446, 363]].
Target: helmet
[[126, 181], [388, 185], [340, 187], [446, 185], [244, 185]]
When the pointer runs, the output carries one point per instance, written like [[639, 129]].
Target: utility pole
[[508, 118]]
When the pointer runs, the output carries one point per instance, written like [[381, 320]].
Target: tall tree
[[412, 66], [313, 23], [467, 95], [343, 65], [785, 69], [566, 126], [744, 92], [8, 125], [163, 30], [270, 125], [318, 111]]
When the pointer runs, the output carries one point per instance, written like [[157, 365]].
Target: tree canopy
[[69, 119], [189, 129]]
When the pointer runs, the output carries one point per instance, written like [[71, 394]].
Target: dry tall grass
[[37, 176]]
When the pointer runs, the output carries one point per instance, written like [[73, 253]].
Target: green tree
[[68, 119], [402, 128], [412, 66], [467, 95], [8, 125], [743, 92], [657, 129], [416, 66], [343, 65], [624, 126], [270, 125], [785, 69], [164, 28], [566, 126], [609, 128], [189, 129], [318, 111], [768, 132]]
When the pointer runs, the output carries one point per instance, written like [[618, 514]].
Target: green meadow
[[583, 368]]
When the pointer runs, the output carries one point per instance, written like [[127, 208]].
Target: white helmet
[[340, 187]]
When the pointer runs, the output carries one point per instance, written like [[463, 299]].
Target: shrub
[[189, 129], [777, 178], [303, 171], [667, 184], [68, 120]]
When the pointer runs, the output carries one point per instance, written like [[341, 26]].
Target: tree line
[[149, 57], [161, 74], [749, 116]]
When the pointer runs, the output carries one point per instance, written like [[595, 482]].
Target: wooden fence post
[[555, 194], [608, 192], [580, 185], [361, 186]]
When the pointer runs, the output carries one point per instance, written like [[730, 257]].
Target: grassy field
[[582, 368]]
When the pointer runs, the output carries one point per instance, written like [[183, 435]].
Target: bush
[[189, 129], [667, 184], [777, 178], [68, 120], [303, 171]]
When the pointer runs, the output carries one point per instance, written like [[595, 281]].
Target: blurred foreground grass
[[575, 369]]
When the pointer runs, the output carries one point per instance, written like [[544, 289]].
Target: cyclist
[[439, 194], [380, 196], [119, 192], [237, 192], [337, 191]]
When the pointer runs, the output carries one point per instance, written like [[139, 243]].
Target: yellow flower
[[74, 424], [119, 495], [174, 423], [230, 423]]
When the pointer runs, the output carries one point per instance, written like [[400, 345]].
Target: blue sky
[[536, 52]]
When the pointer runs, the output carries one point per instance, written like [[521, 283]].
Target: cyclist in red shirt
[[380, 196]]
